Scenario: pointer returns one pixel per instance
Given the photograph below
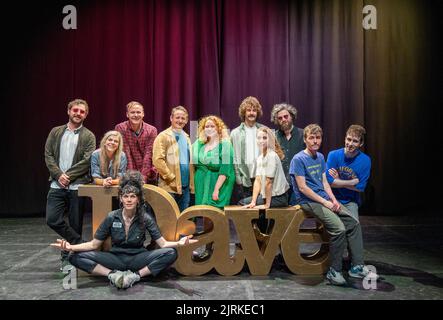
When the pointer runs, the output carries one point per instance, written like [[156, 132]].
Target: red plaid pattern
[[138, 149]]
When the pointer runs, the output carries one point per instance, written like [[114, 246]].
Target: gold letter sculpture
[[286, 233]]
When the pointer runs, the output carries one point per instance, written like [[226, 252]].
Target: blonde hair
[[104, 160], [133, 103], [222, 130], [249, 102], [179, 108], [272, 141], [312, 129]]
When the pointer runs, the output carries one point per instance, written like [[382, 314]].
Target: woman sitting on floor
[[126, 227]]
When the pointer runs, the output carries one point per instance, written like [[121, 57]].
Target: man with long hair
[[245, 147]]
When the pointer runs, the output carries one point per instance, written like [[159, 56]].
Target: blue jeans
[[183, 199], [58, 202], [155, 260]]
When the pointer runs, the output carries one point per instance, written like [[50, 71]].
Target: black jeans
[[240, 192], [58, 202], [155, 260], [276, 201]]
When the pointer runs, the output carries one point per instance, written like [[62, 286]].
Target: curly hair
[[249, 102], [104, 160], [272, 141], [222, 129], [132, 182], [280, 107]]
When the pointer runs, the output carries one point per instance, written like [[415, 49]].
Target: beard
[[286, 126], [76, 120]]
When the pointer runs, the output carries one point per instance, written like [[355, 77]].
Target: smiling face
[[135, 115], [210, 129], [112, 143], [179, 119], [352, 144], [77, 114]]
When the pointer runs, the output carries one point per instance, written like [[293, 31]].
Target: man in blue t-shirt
[[349, 169], [313, 193]]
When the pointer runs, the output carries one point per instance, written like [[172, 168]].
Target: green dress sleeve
[[226, 159]]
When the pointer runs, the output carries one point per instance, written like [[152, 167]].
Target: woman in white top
[[270, 183]]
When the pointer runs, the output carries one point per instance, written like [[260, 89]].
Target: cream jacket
[[166, 160]]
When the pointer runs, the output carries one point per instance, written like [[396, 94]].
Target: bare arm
[[220, 180], [86, 246], [255, 192], [268, 192], [106, 182], [174, 244], [301, 183], [339, 183], [335, 204]]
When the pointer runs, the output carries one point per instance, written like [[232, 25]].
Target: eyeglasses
[[286, 116], [75, 110]]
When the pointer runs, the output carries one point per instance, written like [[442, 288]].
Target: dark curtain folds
[[210, 54]]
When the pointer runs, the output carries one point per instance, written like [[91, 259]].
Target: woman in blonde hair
[[212, 157], [270, 183], [109, 162]]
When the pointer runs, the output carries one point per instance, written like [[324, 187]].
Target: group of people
[[252, 166]]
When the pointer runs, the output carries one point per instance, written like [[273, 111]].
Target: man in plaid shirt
[[138, 138]]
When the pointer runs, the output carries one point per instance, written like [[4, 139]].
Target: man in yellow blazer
[[171, 157]]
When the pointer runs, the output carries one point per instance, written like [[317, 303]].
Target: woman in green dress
[[213, 158]]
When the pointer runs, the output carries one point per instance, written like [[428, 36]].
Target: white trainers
[[361, 271], [335, 277], [116, 278], [129, 278]]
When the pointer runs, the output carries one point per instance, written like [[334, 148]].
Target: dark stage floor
[[407, 252]]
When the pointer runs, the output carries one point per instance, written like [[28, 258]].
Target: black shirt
[[114, 226], [290, 147]]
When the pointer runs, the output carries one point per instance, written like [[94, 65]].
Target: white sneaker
[[335, 277], [116, 279], [129, 278], [361, 271]]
